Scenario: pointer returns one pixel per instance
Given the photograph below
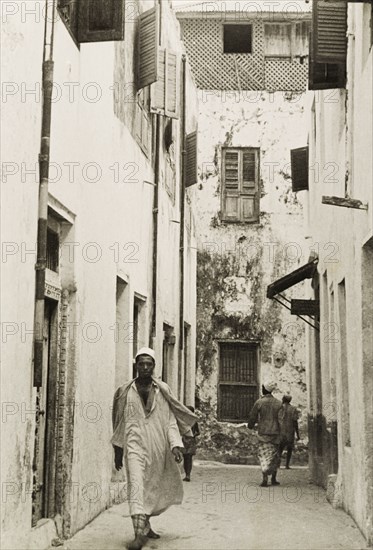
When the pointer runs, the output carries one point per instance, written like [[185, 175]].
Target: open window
[[286, 41], [237, 38]]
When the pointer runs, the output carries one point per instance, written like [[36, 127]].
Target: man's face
[[145, 366]]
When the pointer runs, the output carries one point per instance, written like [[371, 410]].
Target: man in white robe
[[147, 422]]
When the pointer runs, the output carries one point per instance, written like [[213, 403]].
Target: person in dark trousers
[[265, 413], [288, 427], [190, 446]]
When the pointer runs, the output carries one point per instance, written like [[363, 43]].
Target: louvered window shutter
[[148, 47], [172, 84], [250, 186], [191, 168], [164, 96], [100, 21], [158, 89], [231, 169], [231, 184], [249, 170], [329, 30], [299, 169]]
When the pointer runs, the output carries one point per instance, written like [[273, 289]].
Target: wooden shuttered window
[[299, 169], [164, 93], [238, 380], [172, 84], [329, 19], [328, 45], [100, 20], [240, 185], [191, 161], [148, 48]]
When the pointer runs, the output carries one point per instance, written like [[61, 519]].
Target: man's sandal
[[152, 535]]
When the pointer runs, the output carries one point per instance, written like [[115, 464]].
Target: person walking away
[[288, 427], [190, 448], [265, 413], [148, 422]]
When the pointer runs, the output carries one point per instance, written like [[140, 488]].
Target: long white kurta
[[153, 477]]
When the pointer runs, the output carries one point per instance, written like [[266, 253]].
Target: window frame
[[142, 113], [53, 246], [170, 161], [241, 193], [293, 42], [221, 382], [234, 23]]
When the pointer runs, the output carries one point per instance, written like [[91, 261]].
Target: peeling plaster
[[237, 261]]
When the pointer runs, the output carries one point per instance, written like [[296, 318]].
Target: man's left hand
[[118, 457], [176, 451]]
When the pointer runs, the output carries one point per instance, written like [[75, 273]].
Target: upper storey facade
[[248, 50]]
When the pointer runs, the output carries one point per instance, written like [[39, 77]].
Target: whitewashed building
[[120, 245], [338, 201]]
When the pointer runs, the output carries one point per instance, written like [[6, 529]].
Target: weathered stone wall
[[237, 261]]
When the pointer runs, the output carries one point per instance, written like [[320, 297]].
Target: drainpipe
[[182, 207], [41, 254], [153, 331]]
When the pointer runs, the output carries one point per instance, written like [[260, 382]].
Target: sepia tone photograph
[[187, 280]]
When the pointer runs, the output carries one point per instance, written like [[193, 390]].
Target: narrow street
[[186, 267], [224, 508]]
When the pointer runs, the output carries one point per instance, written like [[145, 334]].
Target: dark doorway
[[43, 495]]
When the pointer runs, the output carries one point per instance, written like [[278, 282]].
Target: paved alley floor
[[224, 508]]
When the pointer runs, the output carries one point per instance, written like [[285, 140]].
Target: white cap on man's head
[[270, 385], [146, 351]]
